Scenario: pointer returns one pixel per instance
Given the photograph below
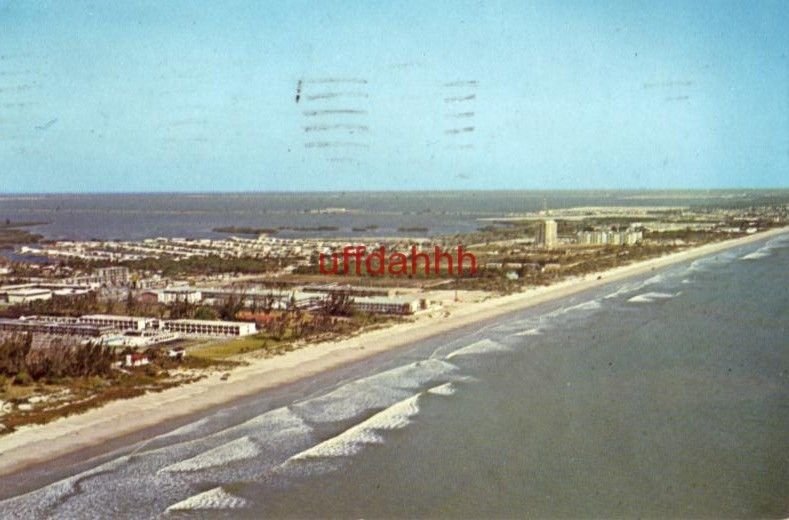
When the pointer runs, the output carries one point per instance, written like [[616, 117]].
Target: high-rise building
[[546, 234]]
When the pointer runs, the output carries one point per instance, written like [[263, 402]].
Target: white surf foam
[[704, 263], [275, 420], [485, 346], [778, 242], [378, 391], [355, 438], [767, 249], [239, 449], [590, 305], [759, 253], [586, 306], [39, 503], [530, 332], [185, 429], [651, 297], [654, 279], [212, 499], [445, 389], [624, 289]]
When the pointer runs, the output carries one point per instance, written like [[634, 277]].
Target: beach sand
[[40, 443]]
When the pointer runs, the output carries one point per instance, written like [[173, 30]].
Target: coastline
[[35, 444]]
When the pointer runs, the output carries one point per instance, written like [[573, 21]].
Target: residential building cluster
[[607, 237], [297, 250]]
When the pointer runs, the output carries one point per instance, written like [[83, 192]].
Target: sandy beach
[[34, 444]]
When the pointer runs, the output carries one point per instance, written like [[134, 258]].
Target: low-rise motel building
[[53, 328], [388, 305], [105, 325], [119, 322], [210, 327]]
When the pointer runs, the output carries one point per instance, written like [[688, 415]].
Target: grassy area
[[276, 344], [234, 347]]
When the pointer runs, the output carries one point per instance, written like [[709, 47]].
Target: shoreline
[[35, 444]]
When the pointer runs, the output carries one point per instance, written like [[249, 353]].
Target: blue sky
[[200, 96]]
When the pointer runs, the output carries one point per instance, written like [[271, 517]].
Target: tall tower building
[[547, 235]]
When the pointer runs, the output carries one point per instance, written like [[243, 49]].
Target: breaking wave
[[485, 346], [353, 399], [707, 262], [353, 439], [530, 332], [239, 449], [212, 499], [759, 253], [652, 297], [445, 389]]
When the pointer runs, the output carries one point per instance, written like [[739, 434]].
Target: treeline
[[10, 237], [335, 315], [206, 265], [58, 359], [70, 306]]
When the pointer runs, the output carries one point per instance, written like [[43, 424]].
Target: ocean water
[[139, 216], [660, 396]]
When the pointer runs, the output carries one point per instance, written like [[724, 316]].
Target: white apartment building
[[547, 234], [599, 238], [385, 305], [210, 328], [118, 322]]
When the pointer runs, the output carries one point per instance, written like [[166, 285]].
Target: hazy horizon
[[666, 191]]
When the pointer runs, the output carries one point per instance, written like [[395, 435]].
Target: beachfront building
[[383, 305], [547, 234], [351, 290], [38, 326], [209, 328], [257, 298], [118, 322]]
